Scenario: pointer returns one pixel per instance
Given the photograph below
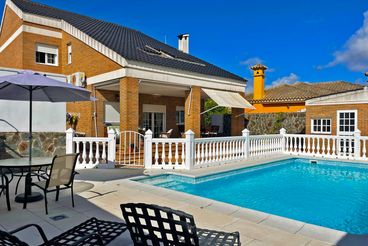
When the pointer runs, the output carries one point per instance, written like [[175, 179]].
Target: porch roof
[[130, 44]]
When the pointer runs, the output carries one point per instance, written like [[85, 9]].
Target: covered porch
[[167, 109]]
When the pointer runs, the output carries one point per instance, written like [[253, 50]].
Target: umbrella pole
[[28, 189]]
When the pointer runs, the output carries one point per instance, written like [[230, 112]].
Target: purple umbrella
[[31, 86]]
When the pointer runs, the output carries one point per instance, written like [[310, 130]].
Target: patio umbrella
[[31, 86]]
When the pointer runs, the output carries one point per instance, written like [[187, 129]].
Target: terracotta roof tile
[[301, 91]]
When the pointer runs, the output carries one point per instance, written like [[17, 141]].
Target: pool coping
[[296, 227]]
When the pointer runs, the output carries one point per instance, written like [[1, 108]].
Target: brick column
[[237, 121], [193, 111], [129, 104]]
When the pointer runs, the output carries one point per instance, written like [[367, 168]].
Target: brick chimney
[[183, 43], [258, 81]]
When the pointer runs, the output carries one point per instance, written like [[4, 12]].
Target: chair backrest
[[62, 170], [7, 239], [150, 224]]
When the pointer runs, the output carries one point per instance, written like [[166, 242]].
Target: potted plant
[[72, 120]]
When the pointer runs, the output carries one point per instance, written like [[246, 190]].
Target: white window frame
[[47, 49], [338, 122], [70, 51], [321, 132], [181, 121]]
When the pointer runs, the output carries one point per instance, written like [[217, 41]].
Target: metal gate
[[130, 148]]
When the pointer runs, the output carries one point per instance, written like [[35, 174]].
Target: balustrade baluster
[[364, 149], [170, 154], [334, 147], [90, 156], [176, 154], [156, 153], [84, 155], [183, 153], [163, 154], [104, 151], [97, 156]]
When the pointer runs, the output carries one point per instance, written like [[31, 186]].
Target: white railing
[[213, 151], [352, 147], [168, 153], [261, 145], [93, 151]]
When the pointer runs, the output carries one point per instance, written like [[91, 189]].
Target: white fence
[[93, 151], [190, 153]]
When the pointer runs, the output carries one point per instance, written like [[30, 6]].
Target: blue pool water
[[330, 194]]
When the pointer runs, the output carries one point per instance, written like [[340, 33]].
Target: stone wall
[[259, 124], [45, 144]]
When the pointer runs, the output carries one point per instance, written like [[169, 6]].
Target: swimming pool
[[330, 194]]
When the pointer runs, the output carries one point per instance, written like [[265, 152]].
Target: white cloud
[[354, 54], [252, 61], [290, 79]]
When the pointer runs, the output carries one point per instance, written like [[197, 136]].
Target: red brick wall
[[330, 111], [169, 102], [10, 24]]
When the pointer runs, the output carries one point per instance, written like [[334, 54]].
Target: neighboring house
[[338, 114], [139, 82], [289, 97]]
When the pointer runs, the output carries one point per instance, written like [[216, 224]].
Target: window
[[321, 126], [347, 121], [180, 115], [69, 53], [47, 54]]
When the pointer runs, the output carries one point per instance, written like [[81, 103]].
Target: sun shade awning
[[228, 99]]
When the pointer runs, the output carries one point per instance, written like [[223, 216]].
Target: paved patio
[[101, 191]]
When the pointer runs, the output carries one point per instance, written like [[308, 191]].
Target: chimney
[[258, 81], [183, 43]]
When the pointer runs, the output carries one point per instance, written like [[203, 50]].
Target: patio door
[[154, 118], [347, 121]]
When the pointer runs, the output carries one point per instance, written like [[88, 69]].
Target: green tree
[[208, 104]]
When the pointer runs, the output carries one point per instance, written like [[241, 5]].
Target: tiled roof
[[301, 91], [129, 43]]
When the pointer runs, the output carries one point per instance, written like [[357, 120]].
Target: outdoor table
[[23, 163]]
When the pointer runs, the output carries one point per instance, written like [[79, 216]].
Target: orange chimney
[[258, 81]]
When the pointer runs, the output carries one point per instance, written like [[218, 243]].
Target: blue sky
[[304, 40]]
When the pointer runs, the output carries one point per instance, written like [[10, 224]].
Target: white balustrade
[[92, 150]]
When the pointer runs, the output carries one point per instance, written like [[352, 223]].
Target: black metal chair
[[150, 224], [90, 232], [4, 188], [61, 177]]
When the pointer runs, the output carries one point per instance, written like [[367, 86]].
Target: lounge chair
[[166, 134], [90, 232], [155, 225], [4, 188], [61, 177]]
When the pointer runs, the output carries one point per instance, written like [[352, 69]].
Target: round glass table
[[23, 164]]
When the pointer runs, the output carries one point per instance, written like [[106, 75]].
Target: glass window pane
[[40, 57], [352, 115]]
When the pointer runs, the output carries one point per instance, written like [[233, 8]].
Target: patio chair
[[61, 177], [150, 224], [4, 189], [166, 134], [90, 232]]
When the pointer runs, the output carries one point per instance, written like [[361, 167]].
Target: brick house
[[338, 114], [288, 98], [139, 82]]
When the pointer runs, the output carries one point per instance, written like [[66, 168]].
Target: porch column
[[129, 104], [193, 111], [237, 120]]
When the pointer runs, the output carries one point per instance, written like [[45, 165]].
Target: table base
[[33, 197]]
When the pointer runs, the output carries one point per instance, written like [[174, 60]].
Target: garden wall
[[45, 144], [259, 124]]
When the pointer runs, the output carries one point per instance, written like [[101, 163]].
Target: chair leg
[[7, 196], [45, 197], [16, 187], [57, 193], [71, 190]]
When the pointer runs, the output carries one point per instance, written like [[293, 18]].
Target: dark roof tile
[[127, 42]]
